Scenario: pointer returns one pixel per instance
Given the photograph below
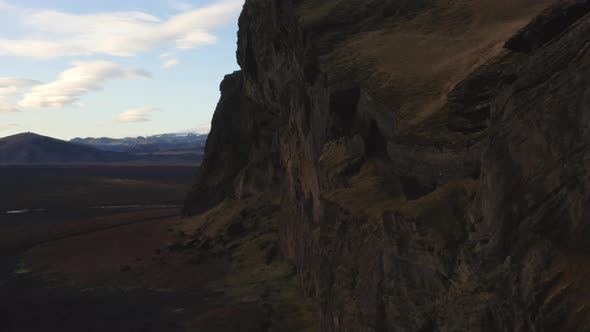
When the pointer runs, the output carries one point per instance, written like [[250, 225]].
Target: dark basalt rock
[[548, 25], [469, 217], [232, 128], [470, 102], [537, 163], [237, 228]]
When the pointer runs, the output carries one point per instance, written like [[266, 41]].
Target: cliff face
[[431, 158]]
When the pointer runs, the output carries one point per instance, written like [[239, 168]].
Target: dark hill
[[29, 148]]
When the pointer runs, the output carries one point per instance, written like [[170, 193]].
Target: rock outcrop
[[430, 179]]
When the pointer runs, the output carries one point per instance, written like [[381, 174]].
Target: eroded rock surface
[[429, 178]]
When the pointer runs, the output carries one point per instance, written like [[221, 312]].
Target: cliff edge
[[425, 162]]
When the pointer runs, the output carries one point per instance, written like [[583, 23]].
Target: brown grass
[[410, 64]]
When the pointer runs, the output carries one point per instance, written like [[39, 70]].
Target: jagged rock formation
[[430, 178]]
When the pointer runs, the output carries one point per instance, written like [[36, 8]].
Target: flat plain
[[104, 248], [68, 234]]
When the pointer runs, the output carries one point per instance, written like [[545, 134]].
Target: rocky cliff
[[430, 159]]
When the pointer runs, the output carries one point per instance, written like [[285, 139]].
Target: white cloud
[[60, 34], [76, 81], [11, 87], [135, 115], [171, 63], [6, 106]]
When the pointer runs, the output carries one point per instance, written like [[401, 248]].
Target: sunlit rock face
[[433, 176]]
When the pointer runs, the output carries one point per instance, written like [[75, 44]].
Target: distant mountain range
[[183, 142], [30, 148]]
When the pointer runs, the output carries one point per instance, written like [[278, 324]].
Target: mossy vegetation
[[434, 132], [255, 273], [366, 190], [375, 189]]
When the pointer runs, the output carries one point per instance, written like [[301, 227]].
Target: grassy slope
[[255, 270], [410, 62]]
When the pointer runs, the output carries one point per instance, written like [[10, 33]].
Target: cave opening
[[343, 107], [375, 143]]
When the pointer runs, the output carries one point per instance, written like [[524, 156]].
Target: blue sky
[[113, 68]]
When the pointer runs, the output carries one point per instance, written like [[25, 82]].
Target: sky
[[112, 68]]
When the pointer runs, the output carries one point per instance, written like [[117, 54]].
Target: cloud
[[75, 82], [11, 87], [7, 107], [171, 63], [114, 33], [135, 115]]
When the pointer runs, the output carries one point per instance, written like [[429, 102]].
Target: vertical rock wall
[[469, 215]]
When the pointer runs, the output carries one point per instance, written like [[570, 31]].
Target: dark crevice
[[375, 143], [413, 189], [548, 26], [472, 121], [343, 107]]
